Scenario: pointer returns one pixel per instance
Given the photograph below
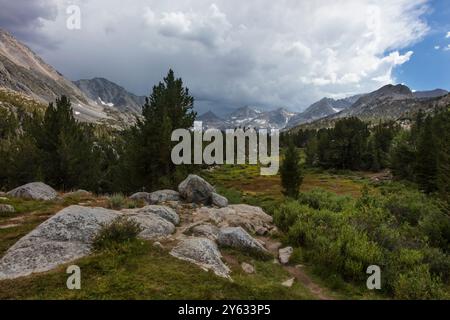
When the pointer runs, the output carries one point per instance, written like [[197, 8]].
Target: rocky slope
[[23, 71], [110, 94], [322, 109], [391, 102]]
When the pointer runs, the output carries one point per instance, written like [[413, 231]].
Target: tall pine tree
[[290, 171]]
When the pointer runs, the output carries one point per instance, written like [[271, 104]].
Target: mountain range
[[22, 72]]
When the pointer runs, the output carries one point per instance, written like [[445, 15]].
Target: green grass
[[137, 270]]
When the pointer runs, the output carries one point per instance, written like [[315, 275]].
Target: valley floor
[[139, 270]]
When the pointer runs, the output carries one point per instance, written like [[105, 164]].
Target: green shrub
[[117, 201], [120, 230], [320, 199], [287, 214], [418, 284]]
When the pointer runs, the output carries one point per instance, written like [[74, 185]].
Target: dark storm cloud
[[24, 19]]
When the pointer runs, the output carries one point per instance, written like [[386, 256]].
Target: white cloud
[[209, 28], [437, 47], [264, 52], [447, 48], [448, 35]]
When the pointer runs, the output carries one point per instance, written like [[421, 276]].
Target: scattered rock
[[34, 191], [163, 196], [202, 252], [195, 189], [261, 231], [158, 245], [207, 231], [6, 208], [65, 237], [78, 193], [248, 268], [238, 238], [288, 283], [144, 196], [245, 216], [2, 194], [218, 200], [285, 254], [153, 226], [164, 212]]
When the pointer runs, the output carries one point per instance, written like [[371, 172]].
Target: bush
[[117, 201], [121, 230], [287, 214], [418, 284], [320, 199]]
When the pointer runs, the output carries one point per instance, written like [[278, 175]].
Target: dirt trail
[[296, 272]]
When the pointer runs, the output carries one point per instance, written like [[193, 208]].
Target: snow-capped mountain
[[248, 117]]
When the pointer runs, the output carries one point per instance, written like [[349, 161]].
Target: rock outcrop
[[245, 216], [238, 238], [34, 191], [207, 231], [162, 211], [196, 190], [65, 237], [202, 252]]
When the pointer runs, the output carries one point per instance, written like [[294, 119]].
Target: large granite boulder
[[65, 237], [238, 238], [196, 190], [202, 252], [245, 216], [34, 191], [162, 211]]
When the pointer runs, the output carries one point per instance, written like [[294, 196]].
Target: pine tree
[[148, 146], [426, 164], [290, 171]]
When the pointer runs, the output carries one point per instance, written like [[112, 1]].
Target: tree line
[[420, 154], [55, 148]]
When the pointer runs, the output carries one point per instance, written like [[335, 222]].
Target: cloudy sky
[[285, 53]]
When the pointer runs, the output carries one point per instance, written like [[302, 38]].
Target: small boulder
[[34, 191], [2, 194], [248, 268], [238, 238], [288, 283], [261, 231], [218, 200], [285, 254], [202, 252], [206, 230], [6, 208], [195, 189], [141, 196], [163, 196], [162, 211], [153, 226], [78, 193]]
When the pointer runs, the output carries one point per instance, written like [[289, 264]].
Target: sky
[[270, 54]]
